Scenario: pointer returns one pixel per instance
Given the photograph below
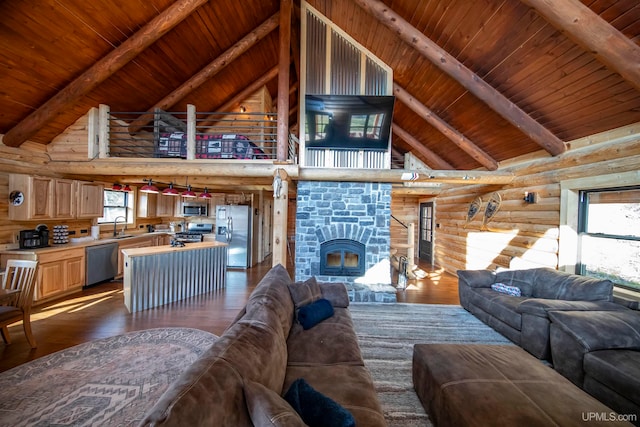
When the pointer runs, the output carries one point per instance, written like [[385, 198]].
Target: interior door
[[425, 242]]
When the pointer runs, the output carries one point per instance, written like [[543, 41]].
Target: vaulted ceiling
[[477, 82]]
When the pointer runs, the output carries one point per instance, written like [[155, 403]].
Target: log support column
[[280, 213]]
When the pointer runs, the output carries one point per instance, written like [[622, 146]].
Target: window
[[367, 126], [609, 235], [116, 204], [320, 123]]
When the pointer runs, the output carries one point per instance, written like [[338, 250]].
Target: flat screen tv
[[348, 121]]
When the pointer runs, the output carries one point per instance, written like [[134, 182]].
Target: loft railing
[[193, 135]]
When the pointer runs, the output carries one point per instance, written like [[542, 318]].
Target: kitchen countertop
[[84, 244], [155, 250]]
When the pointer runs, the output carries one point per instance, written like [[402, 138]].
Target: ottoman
[[482, 385]]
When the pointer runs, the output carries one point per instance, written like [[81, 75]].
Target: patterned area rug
[[387, 333], [112, 381]]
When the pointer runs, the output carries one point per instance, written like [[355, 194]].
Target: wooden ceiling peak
[[467, 78], [101, 70]]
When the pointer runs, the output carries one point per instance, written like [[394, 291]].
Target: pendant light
[[170, 191], [188, 193], [126, 188], [205, 194], [149, 188], [116, 187]]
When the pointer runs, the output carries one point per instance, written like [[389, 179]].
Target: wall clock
[[16, 198]]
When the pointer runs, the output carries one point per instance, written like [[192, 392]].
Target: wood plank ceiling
[[572, 75]]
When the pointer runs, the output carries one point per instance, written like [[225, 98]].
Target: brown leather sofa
[[240, 379]]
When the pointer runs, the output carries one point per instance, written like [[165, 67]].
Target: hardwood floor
[[99, 312]]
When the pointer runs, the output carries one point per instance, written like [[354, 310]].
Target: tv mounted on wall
[[348, 121]]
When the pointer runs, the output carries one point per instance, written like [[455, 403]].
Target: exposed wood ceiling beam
[[123, 167], [467, 78], [208, 71], [454, 136], [101, 70], [593, 34], [433, 160]]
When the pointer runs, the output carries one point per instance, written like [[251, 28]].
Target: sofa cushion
[[316, 409], [304, 293], [476, 278], [330, 342], [618, 369], [268, 408], [554, 284], [522, 279], [501, 306], [312, 314], [349, 386], [336, 292], [540, 306], [273, 292]]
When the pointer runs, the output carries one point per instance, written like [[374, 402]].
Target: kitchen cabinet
[[90, 200], [45, 198], [31, 197], [165, 206], [60, 271], [64, 203], [147, 205]]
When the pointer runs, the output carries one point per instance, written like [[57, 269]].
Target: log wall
[[522, 234]]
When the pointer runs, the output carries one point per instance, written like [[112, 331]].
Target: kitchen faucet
[[115, 224]]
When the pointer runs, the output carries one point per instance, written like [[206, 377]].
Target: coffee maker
[[33, 239]]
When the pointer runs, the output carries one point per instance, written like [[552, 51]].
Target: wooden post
[[280, 211], [283, 80], [411, 253], [103, 131], [191, 132], [93, 134]]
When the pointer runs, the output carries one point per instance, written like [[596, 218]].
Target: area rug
[[111, 381], [387, 333]]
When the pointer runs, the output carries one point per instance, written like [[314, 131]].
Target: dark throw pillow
[[316, 409], [312, 314], [303, 293]]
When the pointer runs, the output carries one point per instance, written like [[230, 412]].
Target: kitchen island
[[159, 275]]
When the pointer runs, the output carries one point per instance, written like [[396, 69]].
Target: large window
[[116, 204], [609, 235]]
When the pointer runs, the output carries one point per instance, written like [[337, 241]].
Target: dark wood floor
[[99, 312]]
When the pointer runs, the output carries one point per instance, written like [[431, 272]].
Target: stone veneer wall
[[342, 210]]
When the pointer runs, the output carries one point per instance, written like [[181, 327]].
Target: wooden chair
[[19, 274]]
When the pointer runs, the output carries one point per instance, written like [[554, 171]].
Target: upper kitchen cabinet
[[147, 205], [90, 200], [41, 198], [166, 206], [30, 197]]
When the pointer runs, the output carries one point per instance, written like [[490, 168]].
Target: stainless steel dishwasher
[[101, 263]]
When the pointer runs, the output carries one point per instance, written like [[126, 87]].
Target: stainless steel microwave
[[195, 208]]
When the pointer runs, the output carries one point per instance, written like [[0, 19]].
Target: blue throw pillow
[[314, 313], [316, 409]]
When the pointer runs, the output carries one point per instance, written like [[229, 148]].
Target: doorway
[[425, 241]]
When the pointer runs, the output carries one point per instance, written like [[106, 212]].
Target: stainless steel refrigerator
[[233, 226]]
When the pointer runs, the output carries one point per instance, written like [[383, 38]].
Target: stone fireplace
[[343, 235]]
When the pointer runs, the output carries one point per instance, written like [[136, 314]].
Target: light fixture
[[126, 188], [149, 188], [188, 193], [116, 187], [170, 191], [205, 194], [530, 197], [243, 109]]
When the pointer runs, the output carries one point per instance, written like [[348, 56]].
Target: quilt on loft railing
[[209, 146]]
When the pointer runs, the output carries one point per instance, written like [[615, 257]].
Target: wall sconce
[[530, 197], [243, 109]]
